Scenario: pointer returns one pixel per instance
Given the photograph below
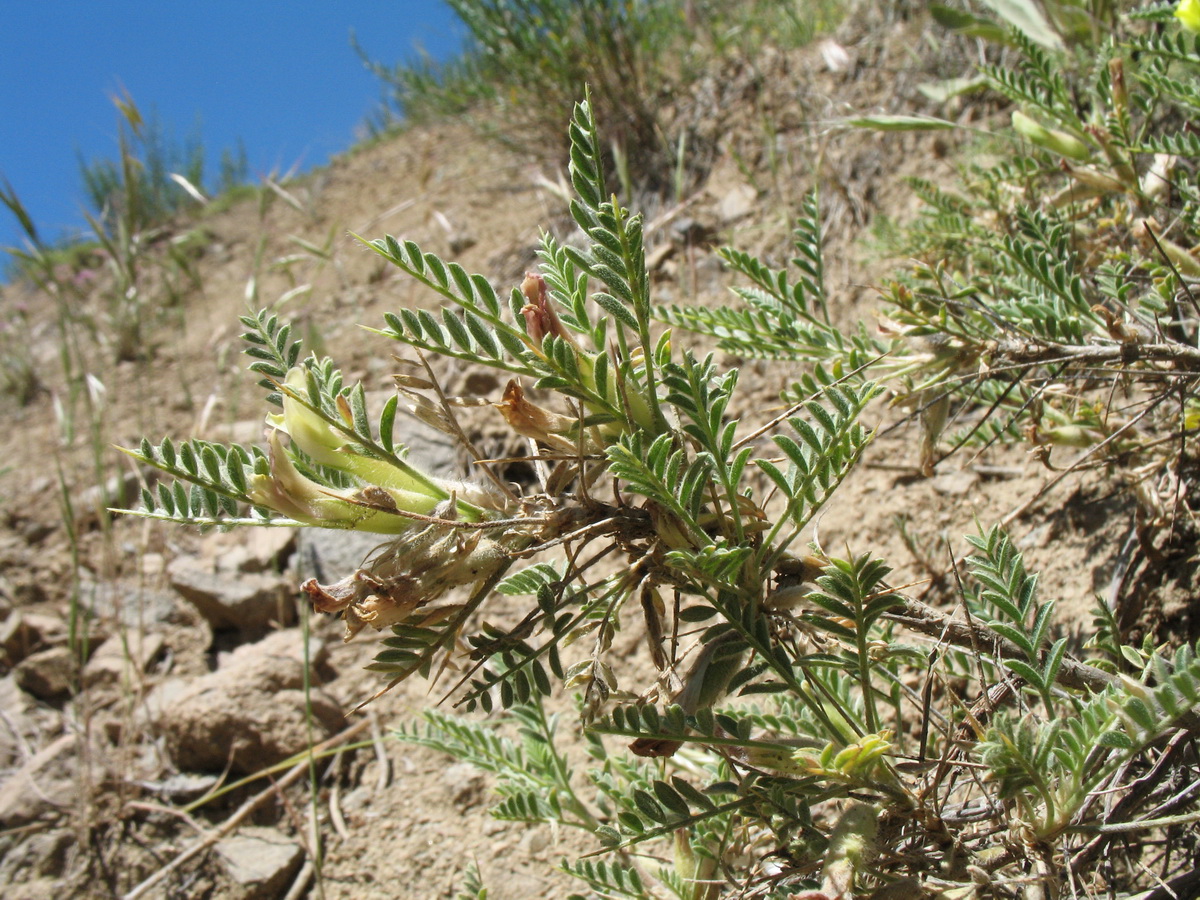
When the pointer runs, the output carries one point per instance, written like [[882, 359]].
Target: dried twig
[[927, 620], [1181, 357], [245, 810], [381, 757], [303, 879]]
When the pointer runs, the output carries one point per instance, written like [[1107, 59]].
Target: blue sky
[[279, 75]]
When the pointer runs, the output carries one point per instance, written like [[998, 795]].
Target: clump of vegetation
[[804, 727], [526, 62], [154, 176], [134, 262]]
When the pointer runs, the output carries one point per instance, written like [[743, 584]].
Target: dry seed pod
[[532, 421]]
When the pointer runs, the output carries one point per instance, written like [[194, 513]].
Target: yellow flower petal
[[1188, 14]]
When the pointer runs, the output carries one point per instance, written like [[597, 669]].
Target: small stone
[[274, 663], [480, 384], [1039, 537], [153, 564], [460, 242], [536, 841], [692, 231], [34, 532], [261, 861], [13, 700], [655, 260], [249, 602], [738, 201], [24, 632], [120, 659], [41, 855], [46, 674], [246, 432], [20, 727], [216, 725], [41, 889], [119, 491], [267, 549], [159, 699], [955, 484], [465, 783], [250, 550], [330, 554], [358, 799], [835, 56], [251, 713]]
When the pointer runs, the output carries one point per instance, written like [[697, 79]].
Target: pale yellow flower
[[324, 444], [1188, 14]]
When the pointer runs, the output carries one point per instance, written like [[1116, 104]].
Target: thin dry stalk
[[244, 811]]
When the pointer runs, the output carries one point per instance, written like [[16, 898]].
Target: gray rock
[[46, 674], [261, 861], [329, 555], [433, 451], [249, 602], [131, 605]]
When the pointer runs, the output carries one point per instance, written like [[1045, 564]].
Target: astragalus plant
[[801, 727]]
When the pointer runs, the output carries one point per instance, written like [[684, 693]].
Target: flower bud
[[1156, 183], [1118, 91], [325, 445], [286, 490], [540, 317]]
